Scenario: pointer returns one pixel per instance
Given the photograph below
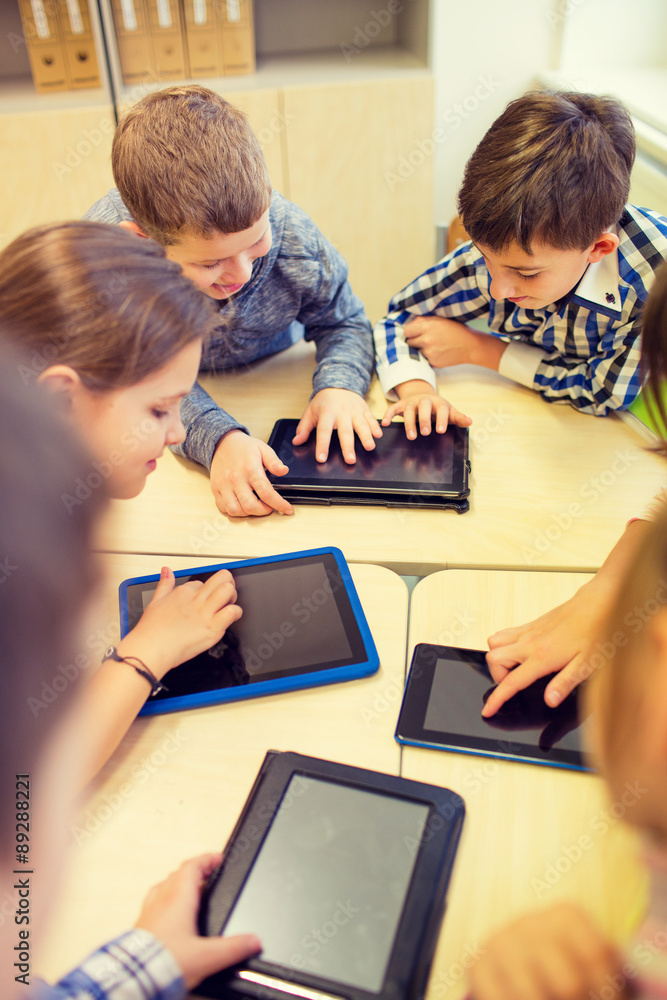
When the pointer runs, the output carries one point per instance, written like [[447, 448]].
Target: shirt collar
[[599, 286]]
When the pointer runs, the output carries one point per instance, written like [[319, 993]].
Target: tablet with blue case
[[302, 625]]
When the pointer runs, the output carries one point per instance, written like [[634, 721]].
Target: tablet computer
[[431, 471], [342, 873], [302, 625], [443, 701]]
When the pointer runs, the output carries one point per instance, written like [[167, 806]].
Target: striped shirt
[[583, 349], [135, 966]]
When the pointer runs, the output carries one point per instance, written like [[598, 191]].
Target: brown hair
[[47, 572], [554, 168], [100, 299], [654, 351], [186, 161]]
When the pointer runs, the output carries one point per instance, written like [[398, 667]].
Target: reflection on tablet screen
[[459, 690], [428, 459]]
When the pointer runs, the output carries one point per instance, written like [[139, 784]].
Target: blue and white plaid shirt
[[136, 966], [583, 349]]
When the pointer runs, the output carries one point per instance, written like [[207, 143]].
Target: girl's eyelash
[[209, 267]]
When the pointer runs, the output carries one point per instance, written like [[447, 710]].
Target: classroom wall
[[483, 55], [486, 54]]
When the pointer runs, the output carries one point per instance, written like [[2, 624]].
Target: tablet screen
[[326, 891], [442, 706], [297, 618], [431, 463]]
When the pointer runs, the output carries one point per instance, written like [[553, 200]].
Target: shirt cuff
[[204, 435], [405, 370], [520, 363], [338, 375]]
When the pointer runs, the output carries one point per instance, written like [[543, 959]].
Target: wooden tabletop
[[178, 781], [551, 488]]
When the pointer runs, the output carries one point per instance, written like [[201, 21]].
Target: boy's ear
[[62, 381], [132, 227], [605, 244]]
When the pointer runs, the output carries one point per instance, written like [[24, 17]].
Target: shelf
[[298, 70], [18, 97]]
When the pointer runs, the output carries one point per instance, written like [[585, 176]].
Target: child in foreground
[[558, 642], [191, 175], [558, 264], [115, 334], [42, 613], [558, 952]]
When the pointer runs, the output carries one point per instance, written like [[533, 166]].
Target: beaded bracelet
[[139, 665]]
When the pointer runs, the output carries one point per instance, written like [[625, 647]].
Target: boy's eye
[[528, 276], [209, 267], [158, 414]]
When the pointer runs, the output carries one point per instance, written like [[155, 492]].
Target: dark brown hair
[[46, 575], [186, 161], [554, 169], [100, 299], [654, 351]]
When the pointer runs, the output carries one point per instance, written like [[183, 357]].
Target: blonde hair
[[186, 161], [554, 168], [622, 681], [99, 299]]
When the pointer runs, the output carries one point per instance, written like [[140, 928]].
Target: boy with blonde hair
[[557, 264], [191, 175]]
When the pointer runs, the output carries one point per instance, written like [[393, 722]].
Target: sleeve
[[135, 966], [205, 423], [451, 288], [606, 381], [334, 318]]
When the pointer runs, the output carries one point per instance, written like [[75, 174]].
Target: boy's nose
[[237, 271], [503, 288]]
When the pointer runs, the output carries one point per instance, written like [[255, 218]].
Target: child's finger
[[324, 430], [304, 427], [458, 418], [410, 420], [425, 415], [165, 585]]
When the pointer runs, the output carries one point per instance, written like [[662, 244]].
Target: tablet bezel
[[423, 906], [410, 729], [349, 609], [284, 430]]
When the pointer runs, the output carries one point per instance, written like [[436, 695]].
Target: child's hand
[[170, 913], [341, 410], [238, 479], [419, 402], [555, 954], [181, 622], [446, 342], [557, 641]]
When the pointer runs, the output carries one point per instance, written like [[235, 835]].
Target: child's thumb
[[166, 583], [215, 954]]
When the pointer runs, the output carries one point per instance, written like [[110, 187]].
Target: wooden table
[[551, 488], [532, 835], [178, 781]]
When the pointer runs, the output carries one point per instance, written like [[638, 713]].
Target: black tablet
[[431, 471], [443, 700], [342, 873], [302, 625]]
